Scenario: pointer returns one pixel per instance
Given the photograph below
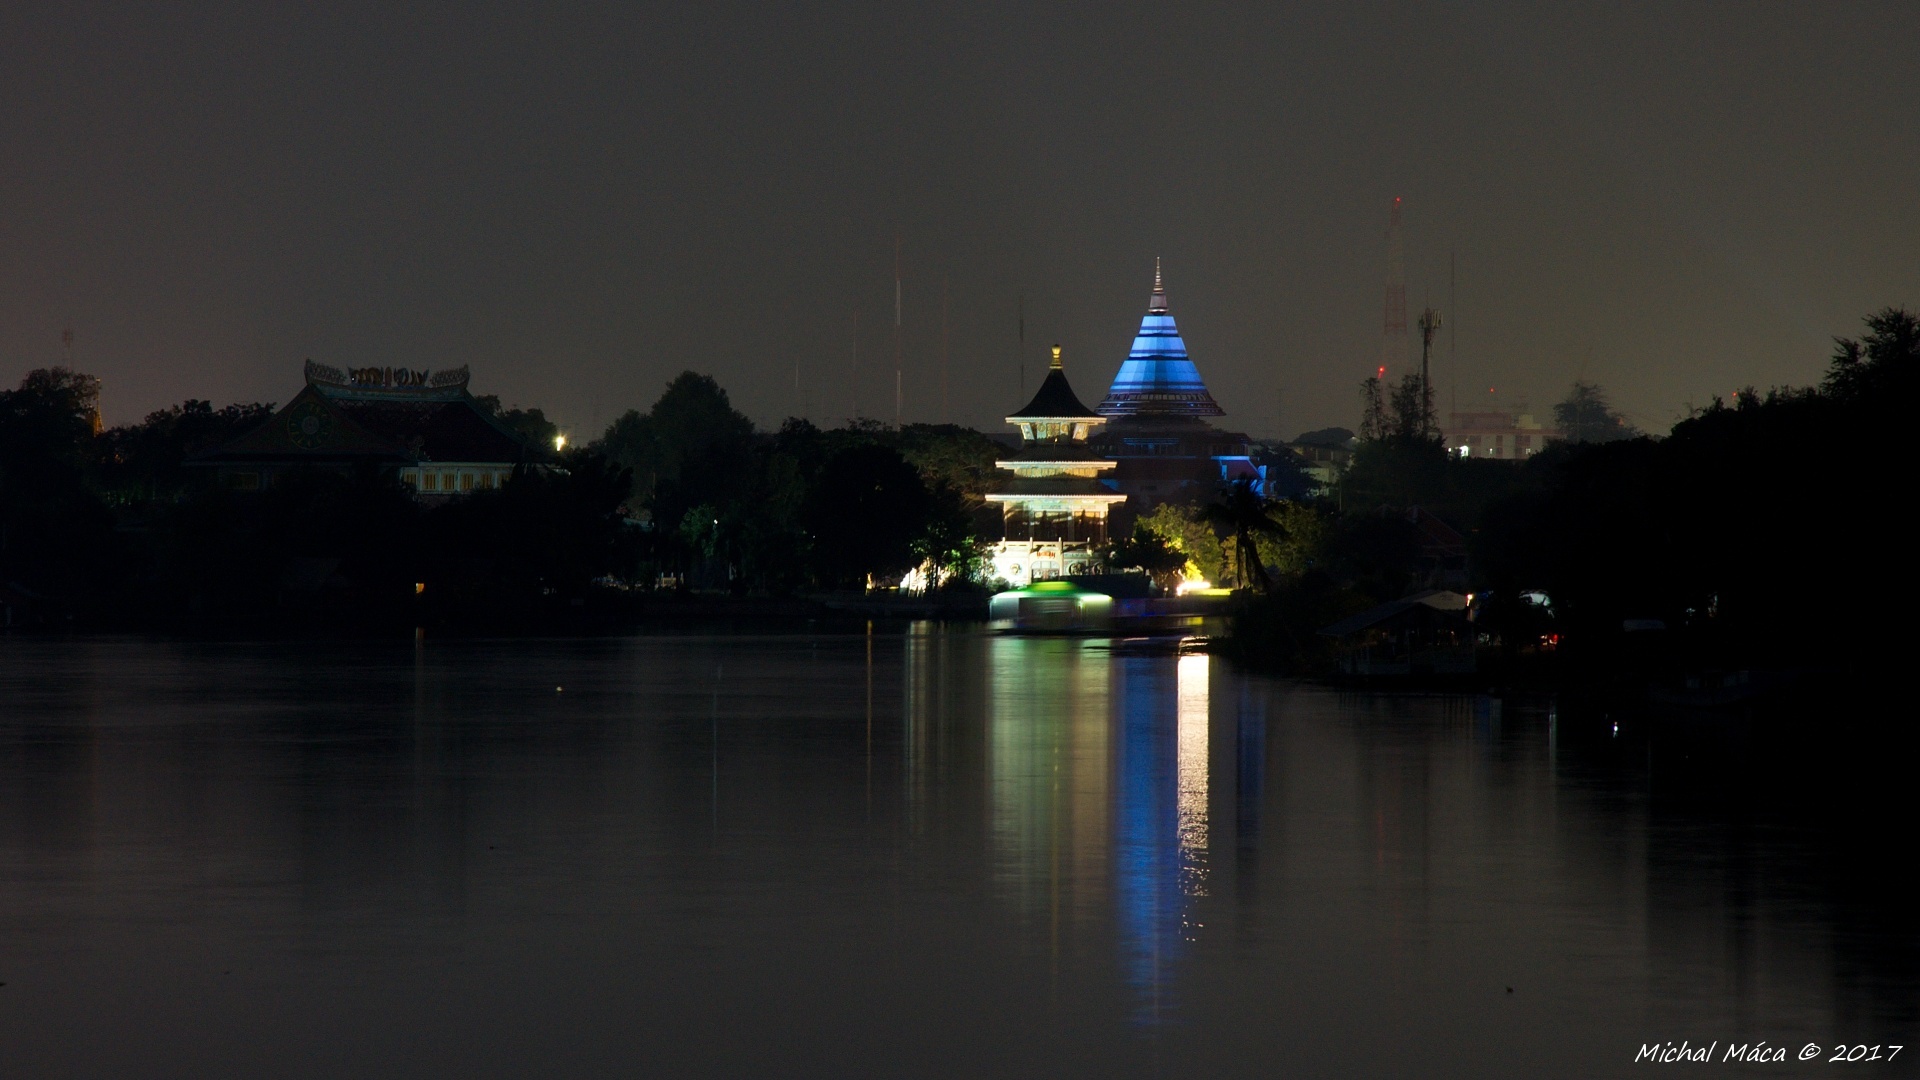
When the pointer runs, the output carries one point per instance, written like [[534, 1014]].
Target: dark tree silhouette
[[1148, 551], [693, 424], [1246, 514], [530, 424], [865, 513], [1585, 417], [1883, 363]]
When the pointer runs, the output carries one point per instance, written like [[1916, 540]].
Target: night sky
[[581, 201]]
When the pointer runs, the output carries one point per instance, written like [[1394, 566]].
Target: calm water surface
[[928, 853]]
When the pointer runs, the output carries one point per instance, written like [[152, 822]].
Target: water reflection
[[1048, 739], [1160, 834], [885, 854], [1192, 734], [1098, 762]]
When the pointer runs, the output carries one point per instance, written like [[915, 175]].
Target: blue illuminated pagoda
[[1158, 379], [1158, 431]]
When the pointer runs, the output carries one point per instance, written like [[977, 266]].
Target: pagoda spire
[[1056, 358], [1158, 304]]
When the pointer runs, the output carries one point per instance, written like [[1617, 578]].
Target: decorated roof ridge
[[1055, 400], [387, 380]]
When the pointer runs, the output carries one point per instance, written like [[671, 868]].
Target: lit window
[[466, 481]]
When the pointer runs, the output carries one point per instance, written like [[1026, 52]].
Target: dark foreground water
[[935, 853]]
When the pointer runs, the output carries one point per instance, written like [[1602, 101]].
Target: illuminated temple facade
[[1054, 507], [422, 427], [1164, 448]]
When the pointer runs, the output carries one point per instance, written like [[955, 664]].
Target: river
[[920, 852]]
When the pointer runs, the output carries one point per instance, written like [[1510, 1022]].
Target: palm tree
[[1246, 513], [1151, 552]]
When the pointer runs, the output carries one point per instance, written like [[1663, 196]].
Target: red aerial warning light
[[1382, 373]]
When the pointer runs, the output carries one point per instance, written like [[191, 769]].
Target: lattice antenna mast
[[1393, 343]]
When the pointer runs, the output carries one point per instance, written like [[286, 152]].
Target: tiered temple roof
[[1158, 379], [1054, 471], [384, 415]]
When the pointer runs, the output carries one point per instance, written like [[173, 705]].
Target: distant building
[[1323, 455], [1054, 508], [423, 427], [1502, 434], [1159, 435]]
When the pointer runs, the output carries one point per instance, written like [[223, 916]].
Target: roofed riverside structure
[[1055, 507], [422, 426], [1165, 449]]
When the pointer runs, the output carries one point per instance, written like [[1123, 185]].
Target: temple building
[[1165, 449], [421, 426], [1055, 506]]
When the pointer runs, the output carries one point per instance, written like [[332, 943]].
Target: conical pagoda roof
[[1055, 400], [1157, 377]]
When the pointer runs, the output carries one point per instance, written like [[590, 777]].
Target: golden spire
[[1056, 358]]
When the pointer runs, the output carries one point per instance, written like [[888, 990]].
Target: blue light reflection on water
[[1147, 862], [1098, 775]]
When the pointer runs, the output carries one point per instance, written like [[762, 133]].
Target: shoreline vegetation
[[1758, 534]]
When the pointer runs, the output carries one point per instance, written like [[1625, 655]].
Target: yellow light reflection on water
[[1192, 769]]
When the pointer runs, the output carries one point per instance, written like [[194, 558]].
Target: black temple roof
[[1055, 400]]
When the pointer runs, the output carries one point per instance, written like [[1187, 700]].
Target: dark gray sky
[[582, 200]]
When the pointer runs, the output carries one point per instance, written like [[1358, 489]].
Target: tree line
[[1763, 527], [1761, 531], [802, 507], [116, 527]]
